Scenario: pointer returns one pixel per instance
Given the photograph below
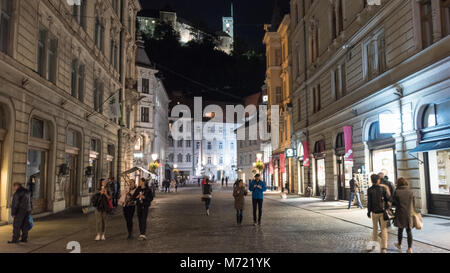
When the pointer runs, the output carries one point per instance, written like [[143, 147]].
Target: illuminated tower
[[228, 23]]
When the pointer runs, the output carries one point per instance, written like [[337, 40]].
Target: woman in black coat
[[143, 197], [403, 201]]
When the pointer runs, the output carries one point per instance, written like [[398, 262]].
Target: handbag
[[416, 218], [30, 222], [388, 213]]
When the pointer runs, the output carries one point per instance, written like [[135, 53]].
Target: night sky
[[250, 15]]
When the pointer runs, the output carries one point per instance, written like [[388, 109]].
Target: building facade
[[370, 84], [152, 124], [278, 83], [59, 64]]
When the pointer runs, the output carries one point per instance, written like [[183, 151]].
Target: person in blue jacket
[[257, 187]]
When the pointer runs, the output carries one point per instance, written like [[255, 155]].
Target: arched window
[[180, 158], [429, 117], [171, 157], [340, 142], [374, 132], [188, 158], [139, 145]]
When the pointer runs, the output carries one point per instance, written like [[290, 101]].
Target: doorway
[[36, 179], [71, 190]]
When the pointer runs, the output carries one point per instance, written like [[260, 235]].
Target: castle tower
[[228, 23]]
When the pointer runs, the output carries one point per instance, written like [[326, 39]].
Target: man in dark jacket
[[377, 197], [388, 184], [355, 189], [20, 210]]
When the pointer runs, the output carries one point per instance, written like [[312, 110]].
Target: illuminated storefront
[[319, 156], [435, 147], [382, 152]]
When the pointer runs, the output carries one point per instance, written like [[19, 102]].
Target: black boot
[[13, 242]]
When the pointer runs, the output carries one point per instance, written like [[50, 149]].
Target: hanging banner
[[306, 161], [348, 137], [282, 163], [270, 166]]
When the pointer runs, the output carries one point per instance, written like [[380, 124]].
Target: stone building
[[152, 124], [370, 84], [59, 63], [279, 85]]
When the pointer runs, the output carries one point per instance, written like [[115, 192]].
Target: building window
[[5, 25], [99, 35], [209, 146], [77, 80], [445, 17], [209, 160], [145, 114], [98, 96], [170, 141], [188, 158], [221, 160], [278, 95], [79, 13], [171, 158], [197, 145], [37, 128], [426, 18], [47, 55], [180, 144], [317, 104], [145, 86], [188, 144], [374, 52], [180, 158], [220, 145]]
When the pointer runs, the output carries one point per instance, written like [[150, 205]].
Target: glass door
[[36, 179]]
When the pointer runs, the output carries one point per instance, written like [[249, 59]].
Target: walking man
[[20, 210], [223, 180], [355, 189], [226, 182], [257, 187], [377, 197]]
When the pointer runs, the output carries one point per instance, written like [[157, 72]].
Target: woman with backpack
[[129, 205], [143, 197], [239, 194], [102, 203], [207, 195], [403, 201]]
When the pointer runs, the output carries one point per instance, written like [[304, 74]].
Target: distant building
[[148, 19], [152, 116]]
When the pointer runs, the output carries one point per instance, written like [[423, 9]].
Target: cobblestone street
[[177, 224]]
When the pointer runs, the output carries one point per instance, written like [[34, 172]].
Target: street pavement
[[178, 224]]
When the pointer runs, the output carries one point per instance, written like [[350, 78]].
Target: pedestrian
[[116, 191], [198, 181], [377, 198], [207, 195], [355, 189], [239, 194], [103, 204], [176, 185], [143, 197], [223, 181], [129, 205], [166, 186], [172, 185], [390, 187], [404, 203], [236, 183], [226, 182], [20, 210], [257, 187]]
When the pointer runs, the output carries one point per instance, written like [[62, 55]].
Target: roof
[[142, 58]]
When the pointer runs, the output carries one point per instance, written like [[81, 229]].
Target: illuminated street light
[[259, 156], [154, 157]]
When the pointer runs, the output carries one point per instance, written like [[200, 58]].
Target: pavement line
[[348, 221]]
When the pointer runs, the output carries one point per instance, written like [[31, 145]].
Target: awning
[[432, 146], [135, 169]]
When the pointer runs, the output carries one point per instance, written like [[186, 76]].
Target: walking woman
[[403, 201], [103, 205], [239, 194], [143, 197], [129, 205], [207, 195]]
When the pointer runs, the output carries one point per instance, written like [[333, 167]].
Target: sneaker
[[207, 212], [103, 237], [129, 236], [409, 250], [255, 224], [142, 237], [98, 237], [384, 250], [13, 242], [24, 241], [399, 247]]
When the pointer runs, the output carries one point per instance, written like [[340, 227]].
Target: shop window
[[439, 171]]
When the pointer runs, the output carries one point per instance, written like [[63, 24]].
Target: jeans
[[100, 218], [21, 225], [358, 198], [142, 212], [379, 217], [239, 216], [128, 213], [257, 204], [207, 203], [400, 236]]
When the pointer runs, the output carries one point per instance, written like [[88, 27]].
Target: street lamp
[[175, 166], [259, 156], [154, 157]]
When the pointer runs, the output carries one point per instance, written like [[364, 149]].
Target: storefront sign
[[306, 161], [282, 163], [271, 166], [389, 123], [290, 153], [348, 136]]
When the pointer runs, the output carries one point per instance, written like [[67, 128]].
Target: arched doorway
[[300, 169], [2, 139], [340, 161], [72, 163], [382, 152], [319, 156]]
